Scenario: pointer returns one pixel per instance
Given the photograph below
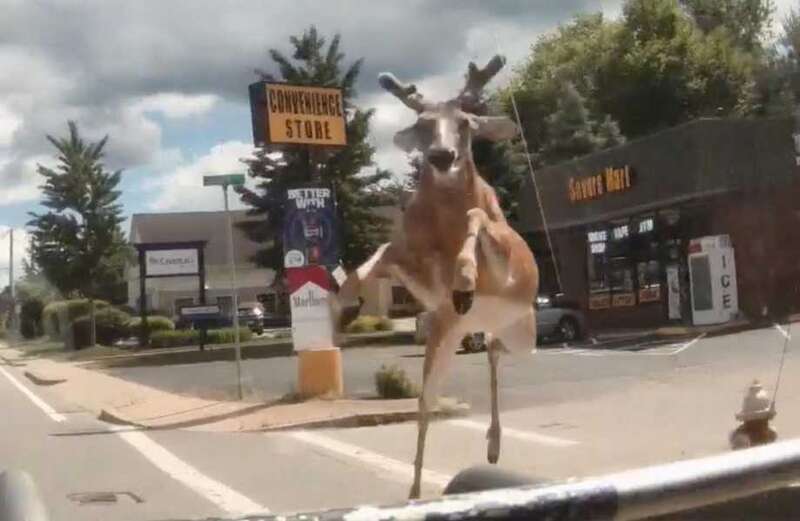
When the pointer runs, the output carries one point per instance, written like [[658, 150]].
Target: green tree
[[747, 21], [277, 168], [76, 241], [651, 69]]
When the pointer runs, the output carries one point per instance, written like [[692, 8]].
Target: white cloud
[[183, 188], [20, 252], [175, 105], [9, 123]]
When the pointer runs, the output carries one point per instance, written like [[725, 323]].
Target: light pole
[[224, 181]]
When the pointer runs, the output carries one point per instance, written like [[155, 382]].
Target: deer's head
[[444, 131]]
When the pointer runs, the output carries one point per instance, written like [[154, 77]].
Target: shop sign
[[309, 227], [601, 301], [312, 325], [610, 180], [171, 262], [296, 114], [650, 294], [621, 300], [673, 292]]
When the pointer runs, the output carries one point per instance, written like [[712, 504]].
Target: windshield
[[559, 238]]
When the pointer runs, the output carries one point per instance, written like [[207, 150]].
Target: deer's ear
[[495, 128], [407, 139]]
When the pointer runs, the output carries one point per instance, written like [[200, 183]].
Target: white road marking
[[783, 331], [533, 437], [399, 470], [218, 493], [38, 402], [689, 344]]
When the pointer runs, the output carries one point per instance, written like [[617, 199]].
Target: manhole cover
[[104, 498]]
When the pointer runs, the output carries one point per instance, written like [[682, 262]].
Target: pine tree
[[76, 243], [277, 168]]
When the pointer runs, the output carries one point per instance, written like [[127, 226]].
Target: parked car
[[276, 320], [556, 317], [252, 316]]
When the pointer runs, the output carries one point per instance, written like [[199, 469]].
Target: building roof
[[196, 226]]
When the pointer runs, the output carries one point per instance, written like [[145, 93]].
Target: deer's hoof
[[414, 492], [462, 301]]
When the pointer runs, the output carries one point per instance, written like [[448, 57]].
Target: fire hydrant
[[757, 411]]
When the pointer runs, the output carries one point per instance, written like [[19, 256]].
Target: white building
[[169, 294]]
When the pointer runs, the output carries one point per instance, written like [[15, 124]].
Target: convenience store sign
[[610, 180]]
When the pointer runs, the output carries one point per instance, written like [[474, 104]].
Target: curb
[[11, 363], [43, 380], [368, 419], [116, 417]]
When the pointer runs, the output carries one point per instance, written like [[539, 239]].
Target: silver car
[[556, 318]]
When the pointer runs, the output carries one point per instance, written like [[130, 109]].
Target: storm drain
[[104, 498]]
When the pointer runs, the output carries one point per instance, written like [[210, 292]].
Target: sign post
[[300, 115], [224, 181]]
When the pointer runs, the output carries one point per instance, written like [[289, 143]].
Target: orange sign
[[622, 300], [650, 294], [601, 301], [594, 186], [295, 114]]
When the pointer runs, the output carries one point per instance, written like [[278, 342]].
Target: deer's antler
[[470, 96], [406, 93]]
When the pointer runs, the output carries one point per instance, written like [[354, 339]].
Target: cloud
[[182, 189], [175, 105], [128, 69]]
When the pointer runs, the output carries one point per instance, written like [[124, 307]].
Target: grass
[[370, 324]]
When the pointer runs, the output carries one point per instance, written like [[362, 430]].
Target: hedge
[[30, 318], [154, 323], [187, 337], [111, 325], [368, 324], [392, 383], [57, 315]]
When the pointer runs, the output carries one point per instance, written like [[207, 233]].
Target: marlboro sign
[[312, 327]]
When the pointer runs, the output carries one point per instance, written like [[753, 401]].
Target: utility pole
[[11, 278], [225, 181]]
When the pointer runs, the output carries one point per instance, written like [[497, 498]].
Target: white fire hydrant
[[757, 411]]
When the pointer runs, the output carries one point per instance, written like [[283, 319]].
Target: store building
[[622, 222], [169, 294]]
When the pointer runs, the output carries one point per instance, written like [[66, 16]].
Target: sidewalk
[[678, 331], [123, 402]]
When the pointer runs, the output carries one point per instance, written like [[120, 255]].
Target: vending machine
[[712, 280]]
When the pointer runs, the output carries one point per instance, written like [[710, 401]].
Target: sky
[[167, 80]]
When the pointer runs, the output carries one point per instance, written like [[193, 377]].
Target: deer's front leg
[[466, 272]]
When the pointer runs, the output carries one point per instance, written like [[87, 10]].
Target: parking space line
[[783, 331], [38, 402], [218, 493], [689, 344], [398, 470], [532, 437]]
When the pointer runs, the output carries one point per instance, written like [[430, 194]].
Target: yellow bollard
[[319, 373]]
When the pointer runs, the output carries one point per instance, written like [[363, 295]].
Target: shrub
[[369, 323], [175, 338], [392, 382], [188, 337], [57, 315], [110, 326], [30, 318], [228, 335], [154, 323]]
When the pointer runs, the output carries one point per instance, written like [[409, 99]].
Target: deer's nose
[[441, 158]]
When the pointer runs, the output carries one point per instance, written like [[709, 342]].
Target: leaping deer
[[455, 251]]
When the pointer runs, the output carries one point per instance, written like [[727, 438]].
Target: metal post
[[143, 330], [11, 278], [202, 277], [235, 292]]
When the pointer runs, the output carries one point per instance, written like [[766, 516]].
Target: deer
[[455, 251]]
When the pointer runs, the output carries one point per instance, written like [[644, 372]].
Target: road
[[566, 412]]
